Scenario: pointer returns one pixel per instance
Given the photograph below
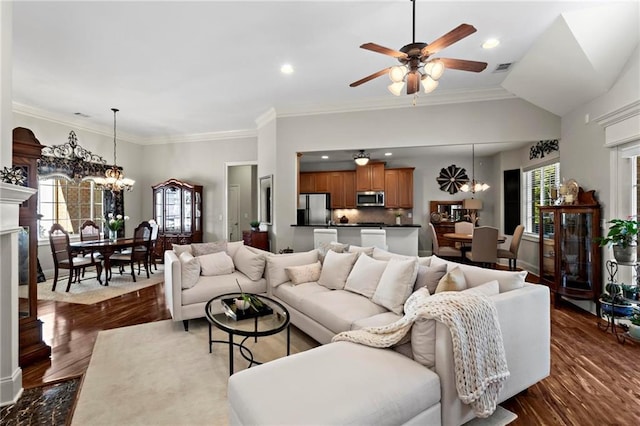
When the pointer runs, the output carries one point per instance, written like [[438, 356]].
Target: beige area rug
[[158, 374], [89, 291]]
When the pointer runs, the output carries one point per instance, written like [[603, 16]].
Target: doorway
[[241, 198]]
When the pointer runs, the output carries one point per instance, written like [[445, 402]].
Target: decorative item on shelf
[[543, 147], [474, 186], [361, 158], [344, 219], [569, 192], [13, 175], [114, 179], [114, 224], [452, 178], [435, 217], [472, 205], [623, 237], [398, 218], [255, 225]]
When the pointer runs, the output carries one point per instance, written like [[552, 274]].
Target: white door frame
[[225, 201]]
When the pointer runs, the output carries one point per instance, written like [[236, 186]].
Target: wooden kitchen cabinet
[[398, 188], [336, 189], [311, 182], [341, 185], [370, 177], [349, 190]]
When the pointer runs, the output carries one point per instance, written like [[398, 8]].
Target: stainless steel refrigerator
[[314, 209]]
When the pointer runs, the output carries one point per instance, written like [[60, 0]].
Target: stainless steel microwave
[[370, 199]]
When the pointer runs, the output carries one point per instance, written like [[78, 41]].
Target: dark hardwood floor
[[594, 380]]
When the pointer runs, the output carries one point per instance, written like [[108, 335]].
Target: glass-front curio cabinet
[[569, 257], [177, 208]]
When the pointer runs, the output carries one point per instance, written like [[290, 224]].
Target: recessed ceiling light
[[388, 154], [490, 43], [325, 157], [286, 69]]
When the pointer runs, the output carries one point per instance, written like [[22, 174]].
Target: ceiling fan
[[416, 66]]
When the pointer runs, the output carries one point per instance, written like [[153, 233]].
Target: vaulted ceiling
[[185, 68]]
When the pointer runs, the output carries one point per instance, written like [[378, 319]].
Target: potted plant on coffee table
[[623, 237]]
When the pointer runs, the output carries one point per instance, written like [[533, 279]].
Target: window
[[68, 203], [540, 188]]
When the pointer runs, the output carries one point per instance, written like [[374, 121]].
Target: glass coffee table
[[222, 313]]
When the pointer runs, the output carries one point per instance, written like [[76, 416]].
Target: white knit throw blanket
[[478, 351]]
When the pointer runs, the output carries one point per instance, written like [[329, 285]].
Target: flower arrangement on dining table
[[115, 223]]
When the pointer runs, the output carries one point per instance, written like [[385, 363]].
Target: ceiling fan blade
[[384, 50], [456, 34], [413, 82], [463, 65], [370, 77]]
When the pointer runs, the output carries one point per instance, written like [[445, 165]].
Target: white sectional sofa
[[347, 383]]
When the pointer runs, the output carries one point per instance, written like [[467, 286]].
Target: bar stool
[[321, 236], [373, 238]]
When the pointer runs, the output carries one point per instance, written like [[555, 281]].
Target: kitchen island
[[401, 239]]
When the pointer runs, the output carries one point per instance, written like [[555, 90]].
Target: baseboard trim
[[11, 388]]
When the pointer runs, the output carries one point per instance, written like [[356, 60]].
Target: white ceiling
[[189, 68]]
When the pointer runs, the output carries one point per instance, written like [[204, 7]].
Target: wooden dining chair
[[63, 257], [442, 251], [512, 253], [138, 253], [484, 246], [89, 231]]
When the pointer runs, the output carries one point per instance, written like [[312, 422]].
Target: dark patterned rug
[[49, 404]]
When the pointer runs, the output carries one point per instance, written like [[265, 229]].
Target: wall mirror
[[266, 199]]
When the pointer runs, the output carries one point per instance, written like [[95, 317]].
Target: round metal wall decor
[[452, 178]]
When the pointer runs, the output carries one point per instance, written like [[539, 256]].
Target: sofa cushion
[[215, 264], [293, 295], [396, 284], [200, 249], [338, 309], [379, 320], [276, 264], [453, 280], [474, 275], [336, 268], [189, 269], [487, 289], [365, 275], [304, 273], [357, 249], [326, 247], [424, 261], [429, 276], [233, 246], [179, 249], [380, 254], [209, 287], [249, 263], [340, 383]]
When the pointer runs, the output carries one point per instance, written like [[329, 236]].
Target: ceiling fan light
[[484, 187], [465, 187], [435, 69], [397, 73], [429, 84], [396, 88]]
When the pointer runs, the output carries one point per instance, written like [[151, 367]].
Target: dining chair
[[484, 246], [442, 251], [512, 253], [89, 231], [463, 228], [138, 253], [321, 236], [374, 238], [63, 257]]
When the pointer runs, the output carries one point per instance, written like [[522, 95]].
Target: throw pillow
[[277, 263], [336, 268], [179, 249], [474, 275], [216, 264], [424, 261], [365, 275], [304, 273], [200, 249], [249, 263], [189, 269], [233, 246], [423, 341], [396, 284], [452, 281], [488, 289], [429, 276], [357, 249], [332, 246]]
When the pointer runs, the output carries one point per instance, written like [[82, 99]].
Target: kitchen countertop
[[357, 225]]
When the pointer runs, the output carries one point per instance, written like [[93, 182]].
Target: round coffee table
[[272, 319]]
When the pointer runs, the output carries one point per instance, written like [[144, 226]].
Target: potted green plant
[[246, 300], [615, 305], [255, 225], [634, 327], [623, 237], [629, 291]]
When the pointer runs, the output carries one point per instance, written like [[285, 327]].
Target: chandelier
[[474, 186], [114, 179], [361, 158]]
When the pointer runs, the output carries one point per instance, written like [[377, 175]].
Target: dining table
[[466, 239], [106, 248]]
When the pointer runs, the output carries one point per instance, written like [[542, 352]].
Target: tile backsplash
[[373, 214]]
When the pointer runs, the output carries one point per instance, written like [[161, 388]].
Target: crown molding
[[200, 137], [265, 118], [627, 111]]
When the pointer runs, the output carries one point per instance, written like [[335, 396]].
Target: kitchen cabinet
[[349, 190], [370, 177], [569, 257], [311, 182], [337, 190], [339, 184], [177, 209], [398, 188]]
